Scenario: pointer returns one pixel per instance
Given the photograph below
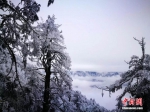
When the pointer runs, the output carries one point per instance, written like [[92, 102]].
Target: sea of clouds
[[83, 84]]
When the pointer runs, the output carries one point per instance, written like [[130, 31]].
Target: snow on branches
[[137, 78]]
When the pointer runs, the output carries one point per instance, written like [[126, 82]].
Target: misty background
[[84, 84]]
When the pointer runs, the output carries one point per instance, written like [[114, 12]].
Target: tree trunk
[[46, 91]]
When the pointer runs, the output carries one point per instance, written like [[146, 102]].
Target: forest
[[35, 67]]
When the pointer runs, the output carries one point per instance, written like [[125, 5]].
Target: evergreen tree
[[137, 79], [52, 56]]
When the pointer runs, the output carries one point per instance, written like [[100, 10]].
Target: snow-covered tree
[[48, 47], [15, 27], [82, 104], [137, 79], [22, 96]]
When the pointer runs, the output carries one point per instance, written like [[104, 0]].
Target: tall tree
[[52, 56]]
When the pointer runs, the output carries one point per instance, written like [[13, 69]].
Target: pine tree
[[137, 79], [52, 57]]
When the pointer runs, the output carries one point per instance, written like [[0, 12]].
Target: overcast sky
[[99, 33]]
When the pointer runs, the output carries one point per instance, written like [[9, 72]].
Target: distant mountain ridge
[[94, 74]]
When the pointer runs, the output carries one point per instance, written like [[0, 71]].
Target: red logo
[[132, 101]]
